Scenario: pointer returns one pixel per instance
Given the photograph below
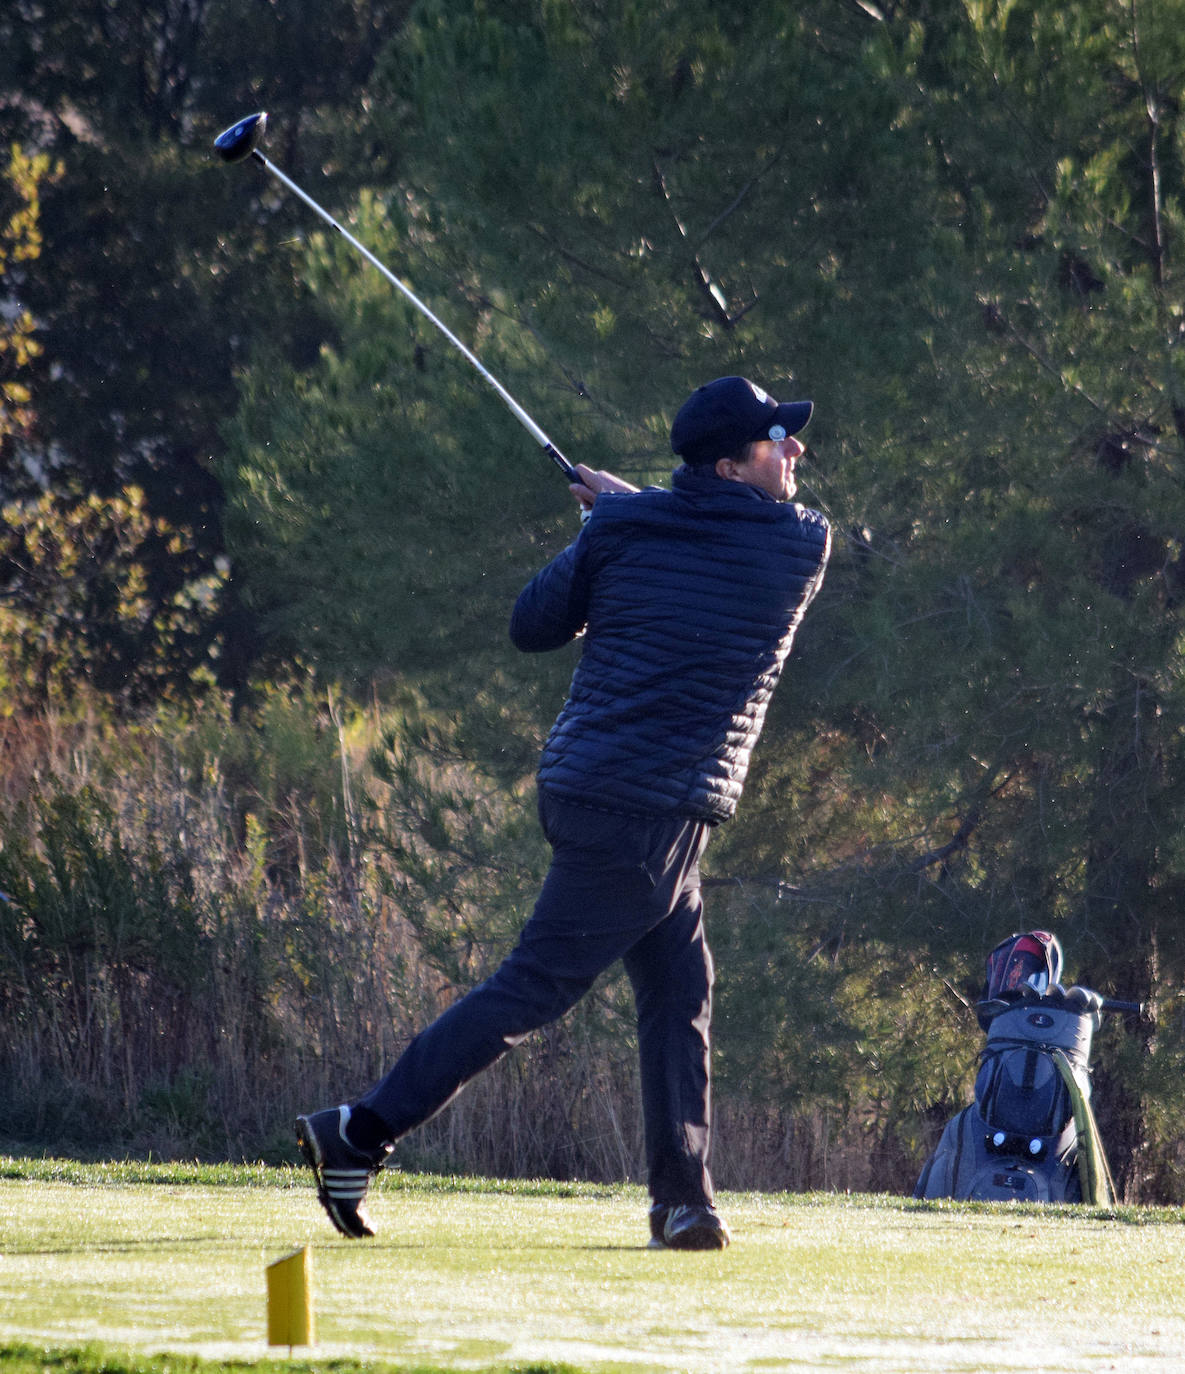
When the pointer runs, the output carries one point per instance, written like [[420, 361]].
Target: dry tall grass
[[187, 960]]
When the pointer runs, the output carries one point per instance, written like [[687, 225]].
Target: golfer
[[688, 601]]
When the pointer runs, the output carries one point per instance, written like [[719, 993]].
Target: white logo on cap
[[761, 396], [777, 433]]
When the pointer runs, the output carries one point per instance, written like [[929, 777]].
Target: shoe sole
[[306, 1139]]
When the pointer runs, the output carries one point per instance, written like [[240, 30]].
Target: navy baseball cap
[[723, 416]]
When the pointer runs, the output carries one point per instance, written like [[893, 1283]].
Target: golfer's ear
[[726, 468]]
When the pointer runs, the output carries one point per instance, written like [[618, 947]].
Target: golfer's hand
[[592, 483]]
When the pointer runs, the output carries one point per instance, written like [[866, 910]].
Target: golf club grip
[[561, 462], [1122, 1008], [516, 410]]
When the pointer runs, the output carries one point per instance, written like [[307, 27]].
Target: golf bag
[[1030, 1135]]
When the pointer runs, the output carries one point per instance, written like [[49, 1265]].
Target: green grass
[[129, 1267]]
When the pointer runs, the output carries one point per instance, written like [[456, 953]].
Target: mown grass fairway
[[472, 1276]]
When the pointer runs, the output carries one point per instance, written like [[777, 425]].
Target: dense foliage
[[233, 460]]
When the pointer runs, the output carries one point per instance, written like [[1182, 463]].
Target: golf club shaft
[[516, 410]]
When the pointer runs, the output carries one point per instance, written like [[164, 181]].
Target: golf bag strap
[[1098, 1187], [959, 1143]]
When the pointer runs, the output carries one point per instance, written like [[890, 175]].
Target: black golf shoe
[[342, 1172], [693, 1228]]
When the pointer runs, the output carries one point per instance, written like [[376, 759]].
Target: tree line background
[[266, 755]]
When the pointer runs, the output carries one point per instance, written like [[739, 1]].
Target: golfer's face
[[770, 466]]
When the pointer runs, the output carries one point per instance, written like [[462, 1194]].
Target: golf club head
[[241, 139]]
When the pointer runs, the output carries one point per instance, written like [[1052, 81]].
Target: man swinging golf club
[[688, 601]]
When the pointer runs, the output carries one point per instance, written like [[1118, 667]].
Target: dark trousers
[[619, 887]]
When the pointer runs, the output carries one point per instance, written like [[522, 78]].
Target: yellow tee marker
[[290, 1300]]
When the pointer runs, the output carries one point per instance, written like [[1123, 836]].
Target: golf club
[[242, 140]]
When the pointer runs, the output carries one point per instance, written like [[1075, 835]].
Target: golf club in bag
[[242, 140], [1030, 1135]]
